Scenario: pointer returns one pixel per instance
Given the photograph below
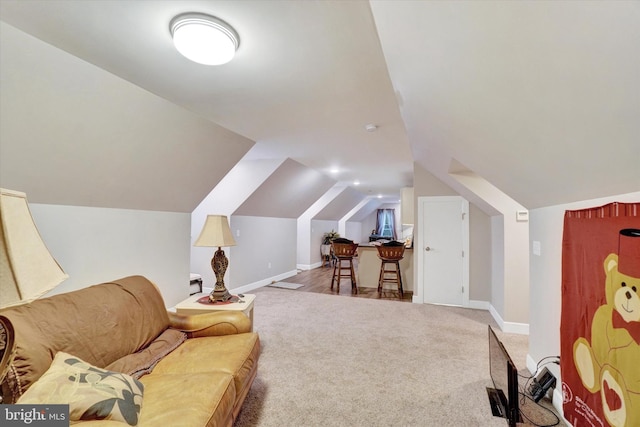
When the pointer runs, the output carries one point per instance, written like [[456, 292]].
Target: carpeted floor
[[337, 361]]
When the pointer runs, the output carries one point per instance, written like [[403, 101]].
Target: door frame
[[421, 244]]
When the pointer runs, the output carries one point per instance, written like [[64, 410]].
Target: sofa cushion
[[99, 324], [236, 355], [143, 361], [91, 393], [201, 399], [183, 400]]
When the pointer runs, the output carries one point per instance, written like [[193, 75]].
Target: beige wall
[[95, 245], [480, 255]]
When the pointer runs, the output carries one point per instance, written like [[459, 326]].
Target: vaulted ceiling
[[541, 99]]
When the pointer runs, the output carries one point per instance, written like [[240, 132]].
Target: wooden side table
[[192, 306]]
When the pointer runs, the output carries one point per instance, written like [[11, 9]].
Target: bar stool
[[390, 254], [344, 250]]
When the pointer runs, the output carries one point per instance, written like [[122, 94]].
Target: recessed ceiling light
[[370, 127], [334, 170], [356, 182], [379, 196], [204, 39]]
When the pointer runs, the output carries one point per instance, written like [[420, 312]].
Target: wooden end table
[[192, 306]]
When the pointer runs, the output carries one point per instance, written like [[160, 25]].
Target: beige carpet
[[337, 361]]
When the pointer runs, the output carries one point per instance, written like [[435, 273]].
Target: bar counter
[[369, 268]]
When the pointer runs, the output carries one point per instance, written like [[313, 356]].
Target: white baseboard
[[516, 328], [509, 327], [264, 282], [532, 366], [479, 305], [305, 267]]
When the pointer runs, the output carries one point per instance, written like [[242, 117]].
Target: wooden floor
[[318, 280]]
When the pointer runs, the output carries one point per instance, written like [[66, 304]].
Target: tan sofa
[[195, 370]]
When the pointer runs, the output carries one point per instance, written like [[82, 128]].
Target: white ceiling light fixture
[[204, 39], [370, 127]]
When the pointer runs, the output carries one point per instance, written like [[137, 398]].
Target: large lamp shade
[[27, 269], [215, 232]]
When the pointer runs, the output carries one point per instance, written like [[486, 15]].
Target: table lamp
[[216, 232], [27, 269]]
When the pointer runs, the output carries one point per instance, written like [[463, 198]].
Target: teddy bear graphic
[[610, 364]]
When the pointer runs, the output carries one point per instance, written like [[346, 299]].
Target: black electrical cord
[[540, 406], [525, 396]]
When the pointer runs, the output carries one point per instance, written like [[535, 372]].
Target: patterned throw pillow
[[91, 393]]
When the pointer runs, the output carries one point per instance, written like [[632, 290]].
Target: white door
[[444, 250]]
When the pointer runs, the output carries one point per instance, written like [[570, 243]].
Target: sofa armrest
[[210, 324]]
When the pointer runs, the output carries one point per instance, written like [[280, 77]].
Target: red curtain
[[600, 320]]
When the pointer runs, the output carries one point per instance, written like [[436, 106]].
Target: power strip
[[541, 384]]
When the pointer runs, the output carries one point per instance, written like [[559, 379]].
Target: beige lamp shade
[[27, 269], [216, 232]]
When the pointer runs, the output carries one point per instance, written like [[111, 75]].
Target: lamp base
[[220, 295], [219, 264]]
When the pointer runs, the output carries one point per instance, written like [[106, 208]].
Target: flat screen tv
[[503, 397]]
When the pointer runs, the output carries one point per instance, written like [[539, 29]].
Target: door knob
[[427, 249]]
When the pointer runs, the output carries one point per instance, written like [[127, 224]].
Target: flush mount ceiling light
[[203, 38]]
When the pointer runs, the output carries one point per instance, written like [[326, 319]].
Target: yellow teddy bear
[[610, 364]]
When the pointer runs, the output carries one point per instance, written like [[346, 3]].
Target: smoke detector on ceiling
[[370, 127]]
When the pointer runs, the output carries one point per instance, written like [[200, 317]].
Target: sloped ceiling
[[370, 206], [105, 142], [340, 205], [306, 80], [539, 98], [287, 192]]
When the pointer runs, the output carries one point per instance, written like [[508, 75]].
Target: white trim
[[479, 305], [532, 366], [509, 327], [496, 316], [260, 283], [306, 267], [465, 248], [516, 328]]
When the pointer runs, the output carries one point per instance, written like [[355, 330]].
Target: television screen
[[503, 397]]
